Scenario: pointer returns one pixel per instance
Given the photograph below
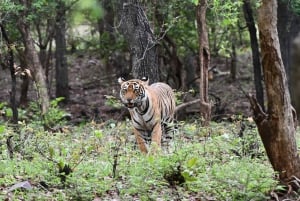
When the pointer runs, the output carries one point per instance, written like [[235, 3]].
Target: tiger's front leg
[[140, 141], [156, 136]]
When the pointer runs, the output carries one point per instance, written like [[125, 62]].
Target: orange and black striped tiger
[[151, 108]]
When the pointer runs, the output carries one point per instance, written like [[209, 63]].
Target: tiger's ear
[[121, 80], [145, 79]]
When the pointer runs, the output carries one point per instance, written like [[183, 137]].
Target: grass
[[101, 161], [225, 161]]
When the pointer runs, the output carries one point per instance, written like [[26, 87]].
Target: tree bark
[[33, 61], [248, 14], [13, 102], [23, 101], [233, 65], [277, 126], [135, 27], [61, 67], [204, 59], [295, 75], [288, 28]]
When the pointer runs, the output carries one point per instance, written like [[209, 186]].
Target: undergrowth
[[225, 161]]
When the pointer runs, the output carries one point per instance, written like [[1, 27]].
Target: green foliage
[[296, 6], [87, 10], [55, 115], [227, 12], [35, 10], [180, 25], [5, 110], [113, 101], [102, 161], [224, 19]]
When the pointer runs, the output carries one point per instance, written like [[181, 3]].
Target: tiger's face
[[132, 91]]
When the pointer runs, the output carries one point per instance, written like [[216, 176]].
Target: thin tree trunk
[[288, 30], [13, 102], [23, 101], [277, 126], [204, 59], [61, 67], [233, 65], [284, 28], [295, 75], [248, 14], [137, 31]]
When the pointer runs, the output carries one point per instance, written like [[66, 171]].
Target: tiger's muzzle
[[129, 104]]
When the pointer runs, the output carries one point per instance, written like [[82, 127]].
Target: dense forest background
[[60, 61]]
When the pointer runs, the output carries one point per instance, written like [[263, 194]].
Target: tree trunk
[[135, 27], [36, 69], [248, 14], [233, 65], [288, 29], [33, 61], [61, 67], [295, 75], [277, 126], [204, 59], [13, 102], [23, 101]]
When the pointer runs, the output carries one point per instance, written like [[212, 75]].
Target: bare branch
[[184, 105]]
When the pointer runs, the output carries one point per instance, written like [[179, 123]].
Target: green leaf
[[8, 112], [188, 177], [98, 134], [51, 152], [192, 162], [196, 2], [2, 129]]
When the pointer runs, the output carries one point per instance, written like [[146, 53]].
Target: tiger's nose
[[129, 100]]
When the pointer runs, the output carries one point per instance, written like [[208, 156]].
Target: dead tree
[[204, 59]]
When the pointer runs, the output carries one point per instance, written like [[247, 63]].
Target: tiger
[[152, 110]]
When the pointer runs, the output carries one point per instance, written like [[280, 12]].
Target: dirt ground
[[90, 85]]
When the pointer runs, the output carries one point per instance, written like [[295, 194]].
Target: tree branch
[[184, 105]]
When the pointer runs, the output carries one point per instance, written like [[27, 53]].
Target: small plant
[[5, 110], [55, 115], [112, 101]]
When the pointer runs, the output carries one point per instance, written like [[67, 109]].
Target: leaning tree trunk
[[248, 14], [204, 59], [277, 127], [33, 61], [136, 29]]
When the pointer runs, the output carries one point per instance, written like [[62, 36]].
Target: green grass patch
[[225, 161]]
